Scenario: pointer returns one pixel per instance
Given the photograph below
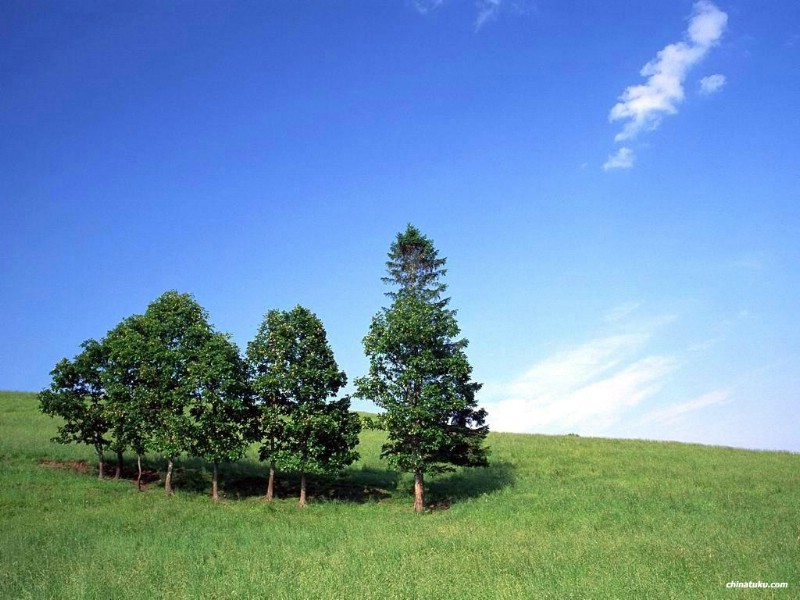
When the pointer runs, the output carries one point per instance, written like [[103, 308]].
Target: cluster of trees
[[167, 382]]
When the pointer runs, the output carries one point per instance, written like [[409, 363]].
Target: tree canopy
[[295, 377], [78, 396], [418, 369], [167, 382]]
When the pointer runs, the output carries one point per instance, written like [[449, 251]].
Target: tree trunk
[[271, 481], [100, 464], [168, 478], [215, 483], [118, 471], [302, 489], [419, 491], [139, 474]]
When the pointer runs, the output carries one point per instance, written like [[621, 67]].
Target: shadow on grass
[[248, 479], [354, 485], [444, 490]]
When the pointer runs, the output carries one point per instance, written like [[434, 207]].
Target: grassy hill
[[553, 517]]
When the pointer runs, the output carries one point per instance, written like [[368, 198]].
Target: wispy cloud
[[618, 313], [711, 84], [644, 106], [589, 387], [423, 7], [621, 159], [677, 412], [487, 11]]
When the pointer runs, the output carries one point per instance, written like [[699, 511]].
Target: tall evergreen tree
[[419, 373], [295, 376]]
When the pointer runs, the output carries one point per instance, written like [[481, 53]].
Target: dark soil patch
[[149, 476], [81, 466], [437, 505]]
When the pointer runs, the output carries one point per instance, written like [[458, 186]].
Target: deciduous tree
[[295, 376], [127, 405], [222, 411], [78, 396], [171, 336], [267, 368]]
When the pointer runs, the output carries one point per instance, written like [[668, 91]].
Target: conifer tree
[[419, 373]]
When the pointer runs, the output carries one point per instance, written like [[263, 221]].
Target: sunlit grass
[[554, 517]]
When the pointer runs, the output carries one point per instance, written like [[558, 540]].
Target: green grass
[[553, 517]]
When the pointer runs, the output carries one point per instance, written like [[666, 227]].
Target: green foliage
[[294, 374], [77, 396], [267, 365], [163, 381], [415, 267], [372, 422], [126, 408], [169, 344], [419, 373], [222, 410]]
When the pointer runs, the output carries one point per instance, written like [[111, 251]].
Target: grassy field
[[553, 517]]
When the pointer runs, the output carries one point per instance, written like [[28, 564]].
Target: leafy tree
[[168, 342], [419, 373], [163, 381], [222, 410], [78, 396], [267, 368], [126, 406], [294, 375]]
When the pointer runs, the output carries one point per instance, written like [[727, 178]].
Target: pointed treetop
[[414, 265]]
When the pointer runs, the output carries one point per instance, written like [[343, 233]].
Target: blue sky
[[615, 186]]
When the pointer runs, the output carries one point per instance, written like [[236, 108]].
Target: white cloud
[[487, 11], [677, 412], [618, 313], [621, 159], [587, 388], [642, 107], [423, 7], [711, 84]]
